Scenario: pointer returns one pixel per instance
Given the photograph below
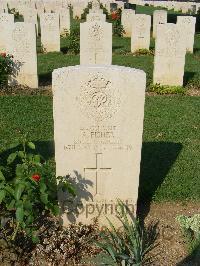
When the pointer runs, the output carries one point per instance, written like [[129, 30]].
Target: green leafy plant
[[144, 52], [65, 33], [13, 11], [165, 89], [6, 68], [190, 227], [105, 10], [28, 188], [74, 40], [86, 11], [127, 247], [115, 18]]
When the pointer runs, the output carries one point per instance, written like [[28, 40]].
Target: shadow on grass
[[191, 260], [64, 49], [116, 47], [196, 50], [187, 77], [45, 79], [157, 159]]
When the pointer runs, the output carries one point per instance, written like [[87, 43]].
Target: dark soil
[[69, 246]]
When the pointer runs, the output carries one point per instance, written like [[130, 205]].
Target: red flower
[[36, 177], [114, 16], [3, 54]]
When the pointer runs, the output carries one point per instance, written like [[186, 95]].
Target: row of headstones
[[172, 41], [96, 42], [132, 23], [19, 39], [41, 6], [185, 7]]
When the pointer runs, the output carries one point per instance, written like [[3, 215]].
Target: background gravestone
[[6, 29], [98, 123], [187, 23], [30, 16], [96, 43], [96, 17], [169, 60], [127, 21], [50, 32], [140, 38], [23, 49], [159, 17], [64, 15]]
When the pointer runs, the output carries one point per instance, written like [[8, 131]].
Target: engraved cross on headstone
[[97, 169]]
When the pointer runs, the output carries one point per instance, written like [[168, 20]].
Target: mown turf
[[170, 167]]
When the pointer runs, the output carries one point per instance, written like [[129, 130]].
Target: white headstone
[[23, 49], [30, 16], [78, 10], [98, 122], [96, 17], [159, 17], [64, 21], [6, 18], [140, 38], [187, 23], [96, 43], [169, 60], [6, 28], [127, 21], [50, 32]]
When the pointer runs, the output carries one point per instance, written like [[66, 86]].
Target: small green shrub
[[165, 89], [190, 227], [144, 52], [115, 18], [127, 246], [105, 10], [13, 11], [74, 40], [65, 33], [28, 188], [86, 11], [6, 68]]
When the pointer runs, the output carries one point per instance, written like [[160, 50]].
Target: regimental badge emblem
[[98, 99]]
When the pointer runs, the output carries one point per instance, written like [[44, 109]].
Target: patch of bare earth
[[170, 248]]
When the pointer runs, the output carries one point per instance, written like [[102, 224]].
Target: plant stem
[[15, 232]]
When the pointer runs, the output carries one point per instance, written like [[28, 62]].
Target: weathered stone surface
[[187, 23], [96, 43], [64, 21], [96, 17], [30, 16], [140, 38], [127, 21], [50, 32], [6, 28], [98, 123], [23, 49], [169, 60], [159, 17]]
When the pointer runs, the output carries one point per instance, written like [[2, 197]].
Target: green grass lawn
[[170, 167]]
